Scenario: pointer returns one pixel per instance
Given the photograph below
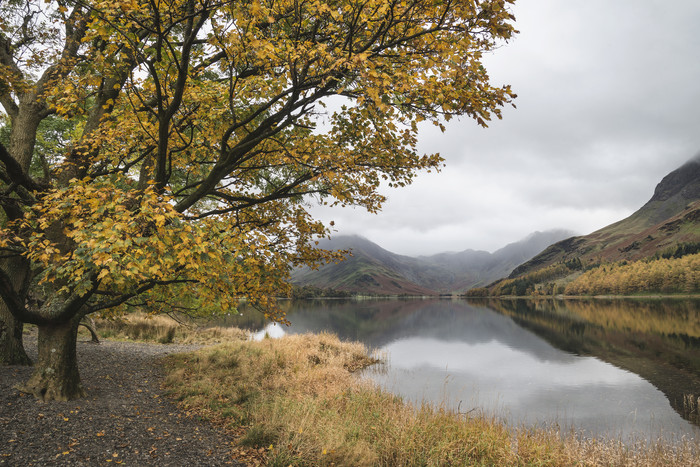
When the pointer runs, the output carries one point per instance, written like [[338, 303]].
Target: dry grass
[[300, 404], [163, 329]]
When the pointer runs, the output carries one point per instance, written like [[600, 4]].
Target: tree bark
[[56, 374], [24, 128], [11, 345]]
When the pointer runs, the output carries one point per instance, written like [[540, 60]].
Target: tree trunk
[[11, 346], [24, 127], [55, 374], [89, 324]]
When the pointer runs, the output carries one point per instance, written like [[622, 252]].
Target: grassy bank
[[295, 401], [162, 329]]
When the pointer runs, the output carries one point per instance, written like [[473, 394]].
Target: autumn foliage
[[663, 275], [191, 136], [666, 273]]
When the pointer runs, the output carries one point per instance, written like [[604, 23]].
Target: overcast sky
[[608, 103]]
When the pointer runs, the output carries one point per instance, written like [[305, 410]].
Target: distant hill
[[372, 269], [369, 269], [670, 218]]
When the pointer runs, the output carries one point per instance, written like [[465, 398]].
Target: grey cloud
[[608, 105]]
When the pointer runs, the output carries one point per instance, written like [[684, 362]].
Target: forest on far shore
[[675, 271]]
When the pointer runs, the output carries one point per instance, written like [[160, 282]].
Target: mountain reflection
[[656, 339]]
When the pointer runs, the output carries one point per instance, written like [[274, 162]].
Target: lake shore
[[292, 401], [652, 296], [297, 400]]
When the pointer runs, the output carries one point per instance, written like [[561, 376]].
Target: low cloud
[[607, 106]]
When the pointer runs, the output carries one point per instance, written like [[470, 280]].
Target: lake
[[628, 369]]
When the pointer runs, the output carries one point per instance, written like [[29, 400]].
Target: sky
[[608, 104]]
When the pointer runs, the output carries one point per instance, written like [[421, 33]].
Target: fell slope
[[669, 218]]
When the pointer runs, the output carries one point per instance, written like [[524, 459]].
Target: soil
[[126, 418]]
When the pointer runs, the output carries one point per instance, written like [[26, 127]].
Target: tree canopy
[[166, 152]]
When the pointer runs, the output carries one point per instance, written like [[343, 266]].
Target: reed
[[691, 407], [164, 330], [296, 401]]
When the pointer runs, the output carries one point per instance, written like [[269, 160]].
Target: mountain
[[668, 221], [372, 269], [369, 269], [670, 218], [471, 268]]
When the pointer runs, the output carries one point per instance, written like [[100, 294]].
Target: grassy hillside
[[631, 239], [669, 221]]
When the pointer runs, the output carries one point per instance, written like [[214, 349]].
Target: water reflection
[[574, 364], [657, 339]]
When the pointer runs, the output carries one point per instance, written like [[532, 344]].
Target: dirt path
[[126, 419]]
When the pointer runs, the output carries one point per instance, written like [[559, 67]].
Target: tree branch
[[15, 172], [7, 292]]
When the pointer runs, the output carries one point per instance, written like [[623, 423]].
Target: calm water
[[620, 368]]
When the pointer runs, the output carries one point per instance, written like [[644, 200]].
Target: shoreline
[[529, 297]]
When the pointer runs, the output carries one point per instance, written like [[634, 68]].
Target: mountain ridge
[[670, 217], [667, 224], [375, 270]]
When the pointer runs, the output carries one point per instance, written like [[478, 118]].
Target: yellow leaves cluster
[[322, 37], [672, 275], [433, 75], [104, 231], [246, 107], [108, 233]]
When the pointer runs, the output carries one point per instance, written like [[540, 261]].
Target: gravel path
[[126, 419]]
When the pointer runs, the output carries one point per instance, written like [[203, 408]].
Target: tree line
[[674, 270], [662, 275]]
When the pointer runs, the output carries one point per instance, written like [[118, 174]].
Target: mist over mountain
[[670, 219], [372, 269]]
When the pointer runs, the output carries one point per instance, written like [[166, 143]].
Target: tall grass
[[300, 404], [164, 330]]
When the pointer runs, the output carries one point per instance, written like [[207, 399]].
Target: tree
[[198, 136], [50, 138]]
